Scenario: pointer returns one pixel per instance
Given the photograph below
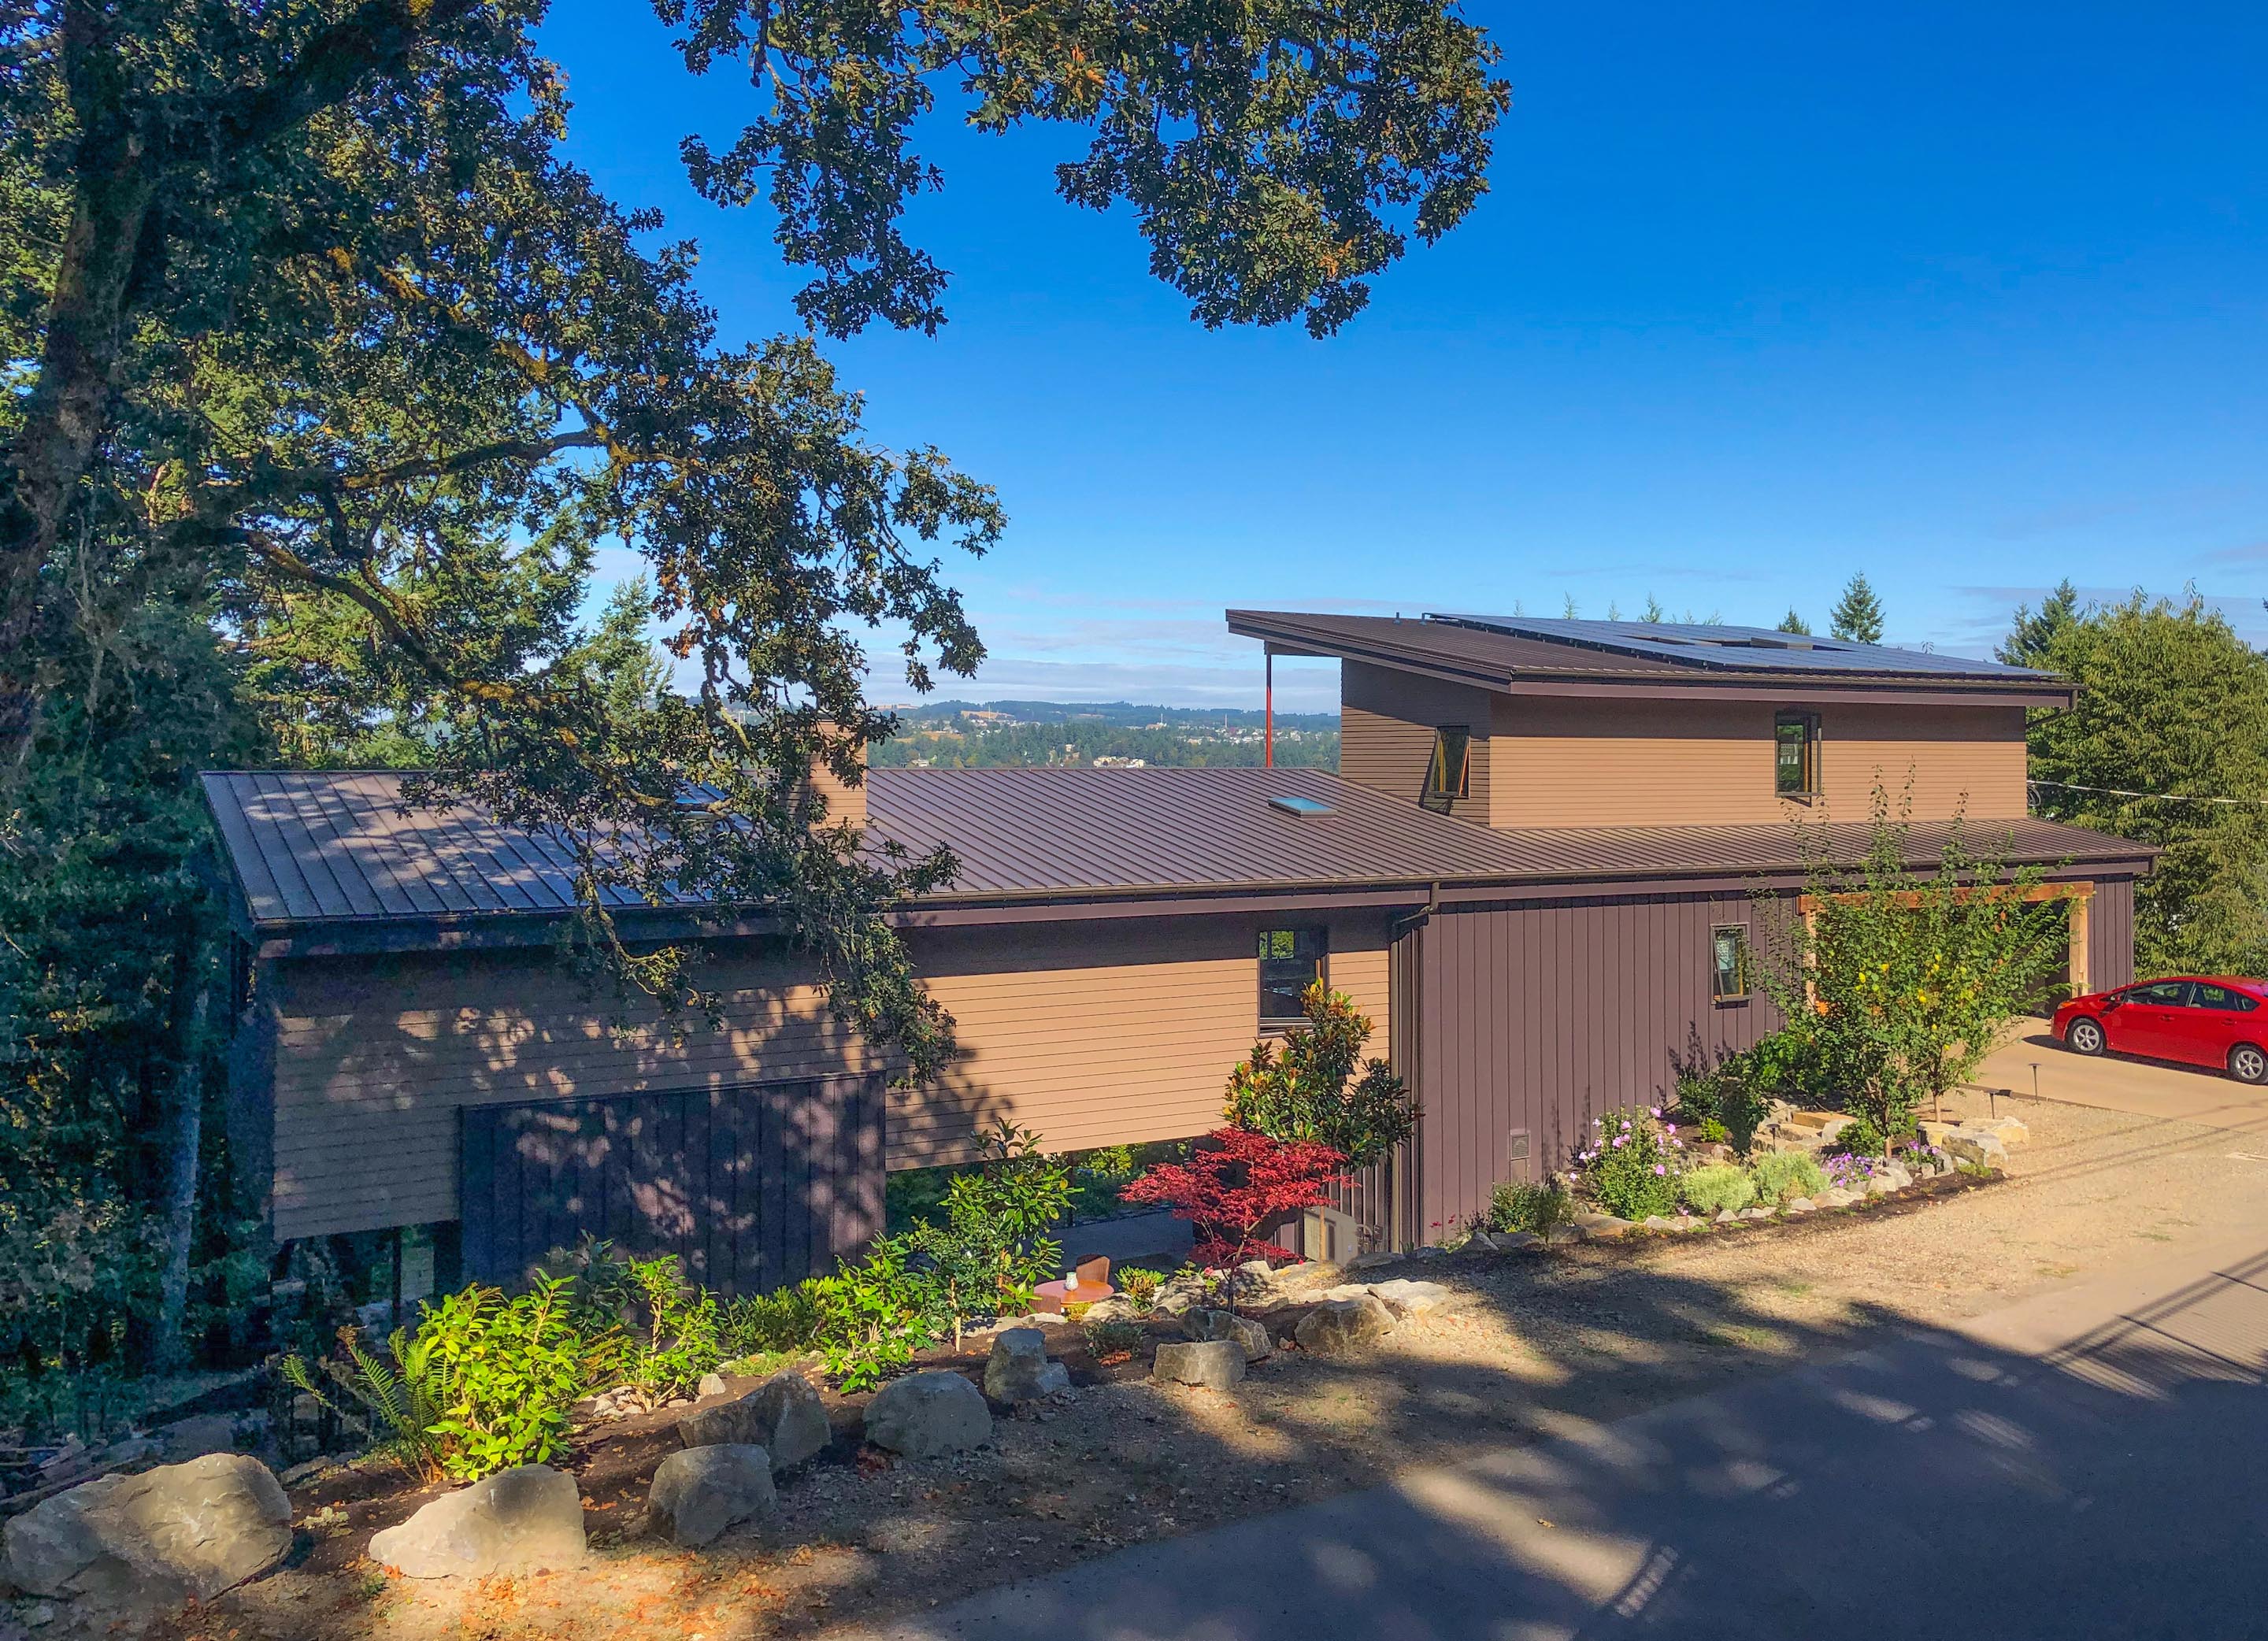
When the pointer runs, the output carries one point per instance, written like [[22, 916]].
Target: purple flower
[[1657, 1168], [1670, 1127], [1653, 1110], [1621, 1140]]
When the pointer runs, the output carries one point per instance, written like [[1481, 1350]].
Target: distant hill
[[992, 734]]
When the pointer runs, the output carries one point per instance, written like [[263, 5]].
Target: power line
[[2160, 797]]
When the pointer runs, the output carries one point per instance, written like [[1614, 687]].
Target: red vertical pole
[[1268, 755]]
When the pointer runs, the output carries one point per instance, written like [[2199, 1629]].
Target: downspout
[[1404, 1176]]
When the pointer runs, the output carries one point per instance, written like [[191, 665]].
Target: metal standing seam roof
[[1500, 650], [334, 846]]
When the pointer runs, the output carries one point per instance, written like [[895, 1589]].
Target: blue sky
[[1967, 298]]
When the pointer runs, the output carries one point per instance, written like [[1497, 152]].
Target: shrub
[[1114, 1341], [1542, 1207], [1139, 1284], [1780, 1175], [1299, 1090], [667, 1333], [1631, 1165], [763, 1324], [1860, 1137], [1235, 1182], [991, 1247], [484, 1383], [875, 1314], [1719, 1187]]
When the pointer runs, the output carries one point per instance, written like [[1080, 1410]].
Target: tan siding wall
[[1386, 720], [1092, 1033], [1559, 762]]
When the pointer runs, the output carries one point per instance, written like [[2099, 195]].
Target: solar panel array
[[1738, 649]]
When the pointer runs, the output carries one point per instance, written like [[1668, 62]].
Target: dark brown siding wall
[[750, 1187], [1540, 1017], [2111, 934]]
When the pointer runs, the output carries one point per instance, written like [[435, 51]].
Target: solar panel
[[1303, 807], [1753, 649]]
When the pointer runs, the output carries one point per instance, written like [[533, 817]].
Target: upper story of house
[[1515, 721]]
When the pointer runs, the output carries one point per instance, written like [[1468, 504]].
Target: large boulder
[[782, 1416], [1405, 1298], [1339, 1326], [1982, 1150], [701, 1492], [178, 1533], [924, 1414], [1242, 1330], [1214, 1364], [1019, 1370], [529, 1519]]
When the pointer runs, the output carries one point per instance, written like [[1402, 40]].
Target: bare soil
[[1538, 1340]]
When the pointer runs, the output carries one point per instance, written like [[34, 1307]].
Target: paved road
[[2092, 1463], [2147, 1088]]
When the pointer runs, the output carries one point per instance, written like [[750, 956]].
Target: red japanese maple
[[1236, 1181]]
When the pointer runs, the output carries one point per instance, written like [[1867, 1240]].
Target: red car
[[2202, 1019]]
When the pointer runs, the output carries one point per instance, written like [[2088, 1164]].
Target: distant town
[[993, 734]]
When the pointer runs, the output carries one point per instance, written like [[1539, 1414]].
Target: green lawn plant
[[1631, 1165], [1721, 1187]]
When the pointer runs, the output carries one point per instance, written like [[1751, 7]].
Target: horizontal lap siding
[[1561, 762], [1091, 1033], [1542, 1016], [1387, 721]]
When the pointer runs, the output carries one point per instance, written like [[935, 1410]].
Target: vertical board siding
[[751, 1187], [1542, 1016], [2111, 934]]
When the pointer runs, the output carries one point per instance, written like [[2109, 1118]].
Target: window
[[1450, 775], [1795, 754], [2226, 999], [1728, 955], [1290, 960], [2164, 994]]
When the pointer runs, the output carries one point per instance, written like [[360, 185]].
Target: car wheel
[[2085, 1036], [2248, 1064]]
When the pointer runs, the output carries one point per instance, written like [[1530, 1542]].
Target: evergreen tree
[[2031, 637], [1792, 622], [1857, 616]]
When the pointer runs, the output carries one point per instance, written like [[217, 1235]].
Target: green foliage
[[1137, 1282], [1719, 1187], [1858, 613], [875, 1314], [1630, 1164], [1899, 983], [1864, 1137], [1176, 739], [991, 1247], [1792, 622], [1299, 1089], [1781, 1175], [786, 1319], [1725, 1096], [1108, 1339], [481, 1384], [2173, 704], [1541, 1206]]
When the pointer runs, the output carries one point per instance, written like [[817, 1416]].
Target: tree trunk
[[184, 1136]]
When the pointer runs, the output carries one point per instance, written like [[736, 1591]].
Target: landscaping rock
[[1756, 1213], [782, 1416], [1214, 1364], [1339, 1326], [1371, 1262], [1835, 1197], [1405, 1298], [926, 1414], [1726, 1215], [1116, 1308], [712, 1385], [1206, 1325], [1181, 1292], [1510, 1241], [528, 1519], [1657, 1222], [1801, 1205], [191, 1439], [701, 1492], [178, 1533], [1019, 1370], [1589, 1225], [2010, 1130], [1983, 1149]]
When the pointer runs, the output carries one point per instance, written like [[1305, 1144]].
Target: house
[[1535, 870]]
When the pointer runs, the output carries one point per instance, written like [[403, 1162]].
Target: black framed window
[[1450, 775], [1728, 963], [1795, 754], [1290, 960]]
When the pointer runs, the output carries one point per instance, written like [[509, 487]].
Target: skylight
[[1302, 808]]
